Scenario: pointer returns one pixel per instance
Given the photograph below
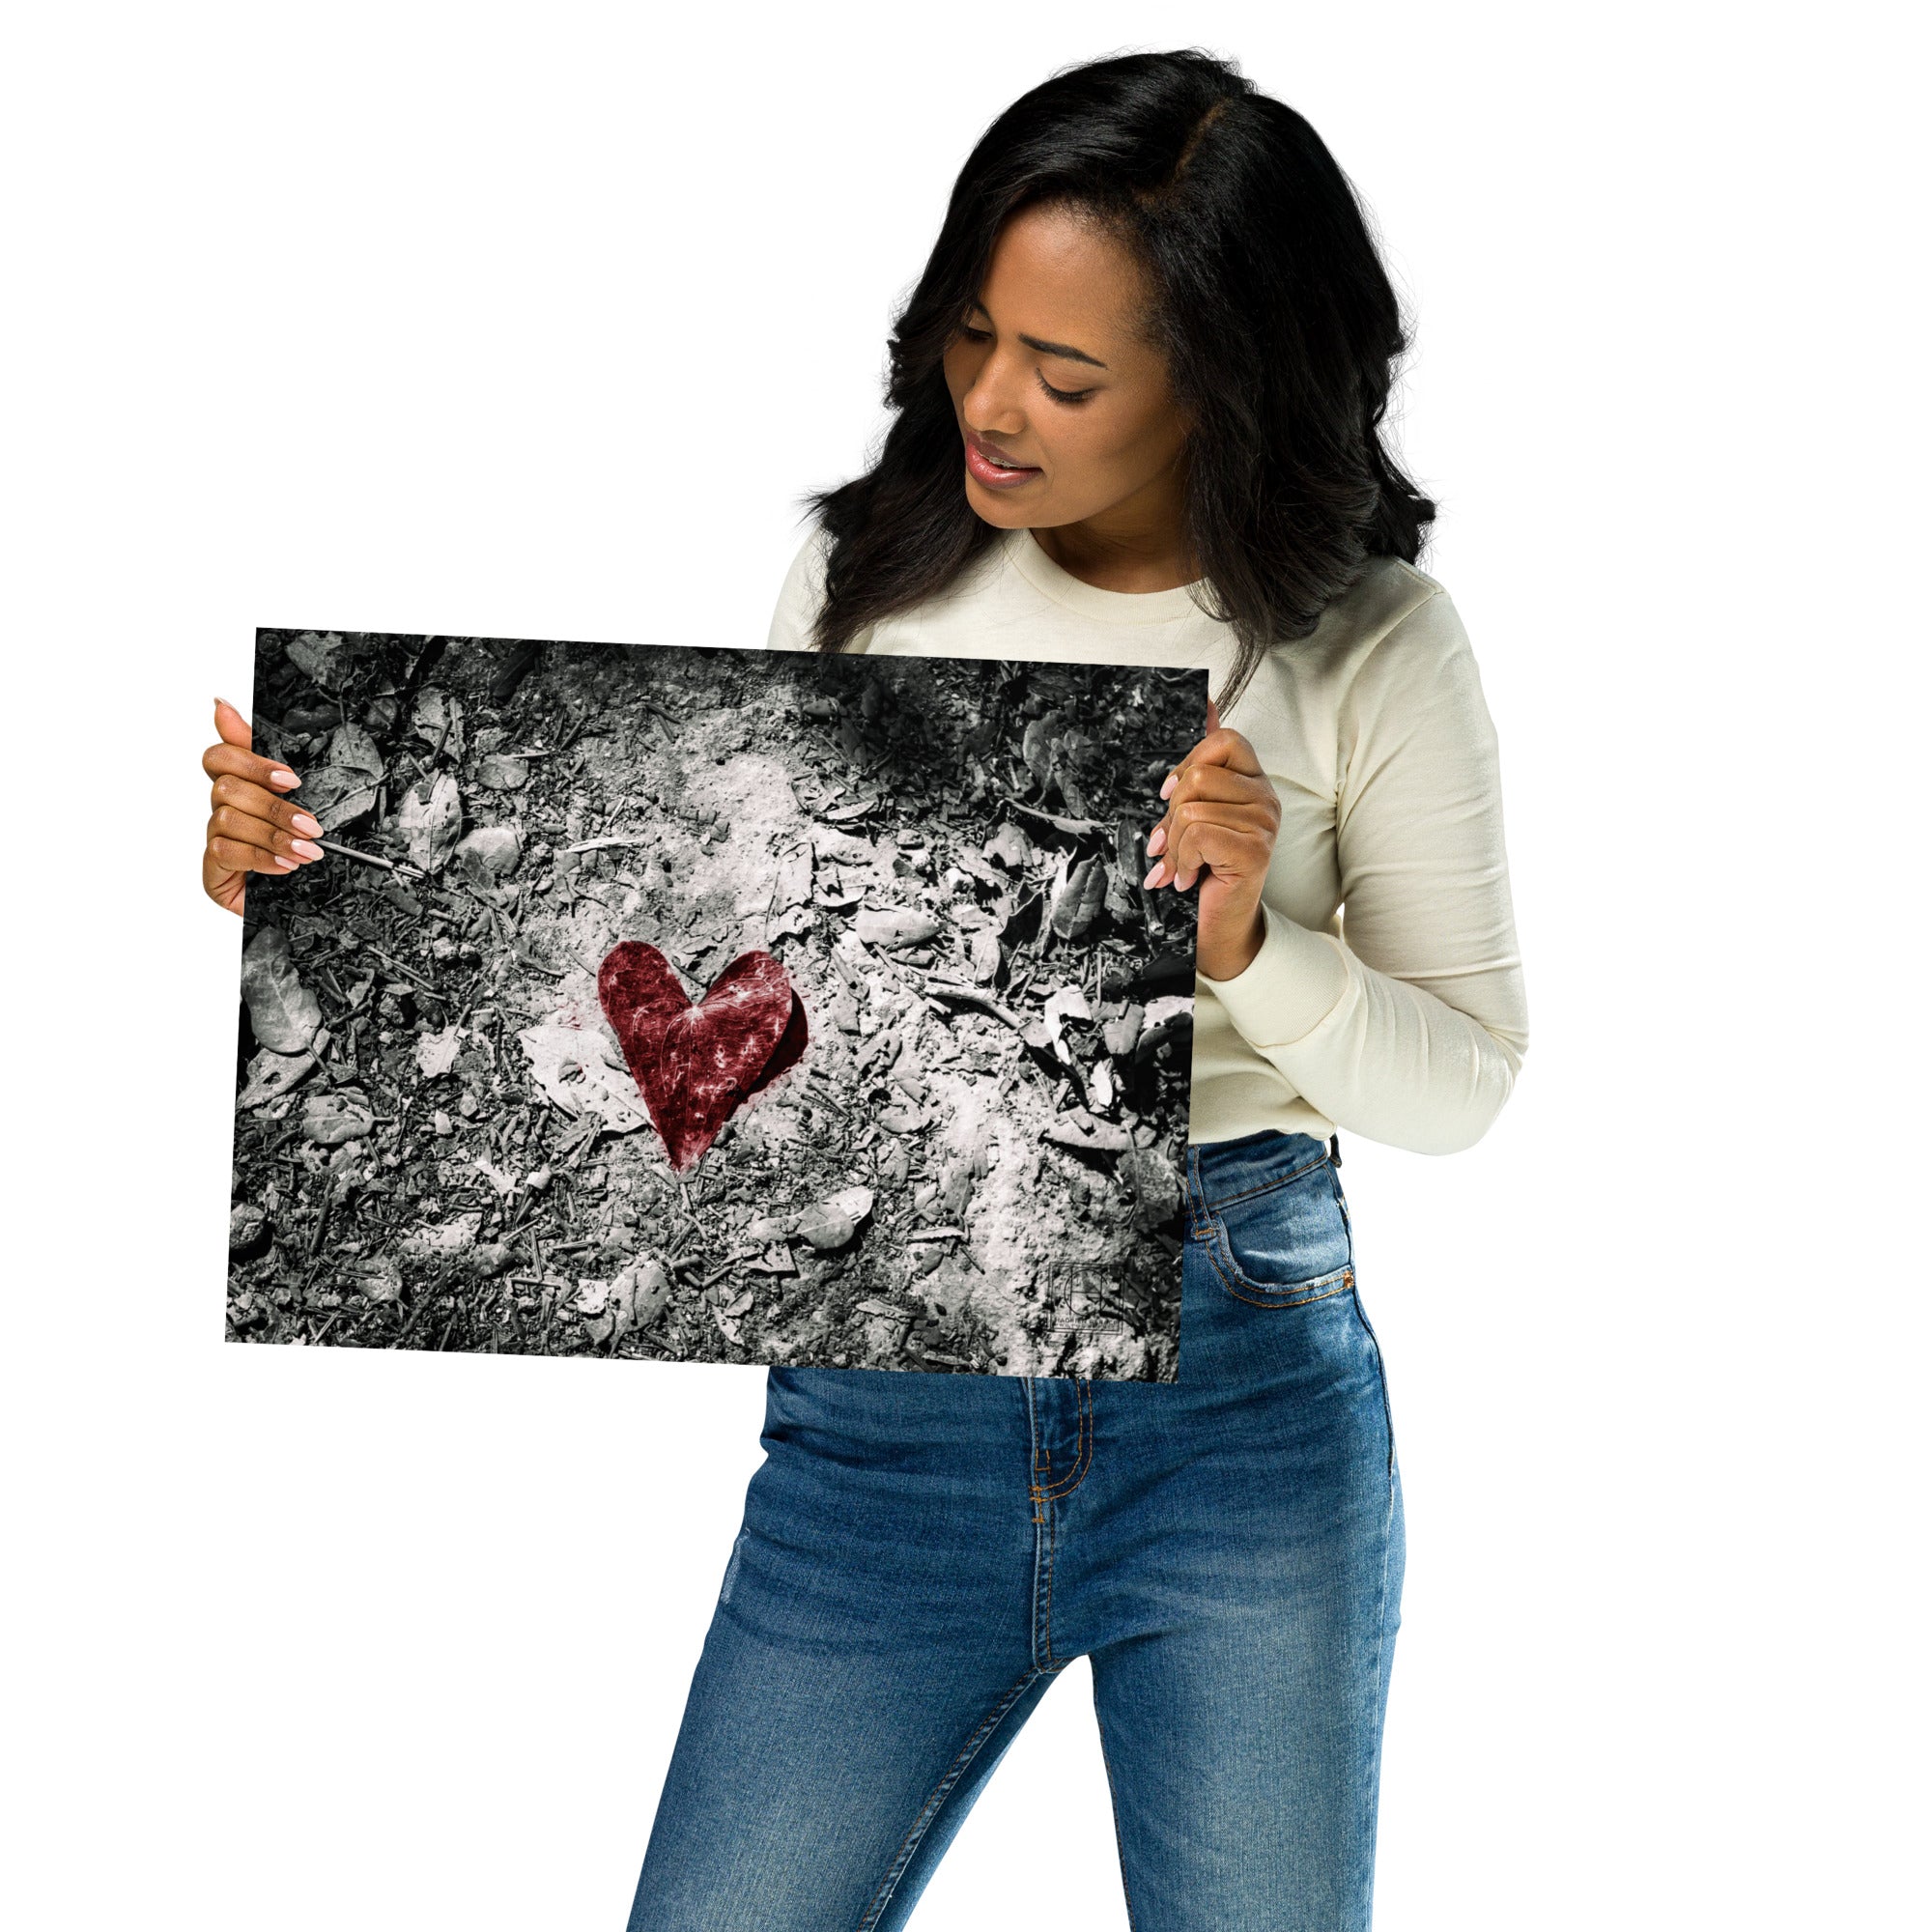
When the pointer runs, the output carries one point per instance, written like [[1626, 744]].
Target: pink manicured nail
[[1173, 779], [286, 779], [1156, 873], [287, 864], [1158, 840], [308, 850], [303, 823]]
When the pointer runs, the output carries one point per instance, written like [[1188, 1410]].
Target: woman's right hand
[[253, 828]]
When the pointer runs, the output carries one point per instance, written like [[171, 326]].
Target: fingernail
[[303, 823], [1167, 790], [1155, 874], [287, 864], [286, 779], [308, 850], [1158, 840]]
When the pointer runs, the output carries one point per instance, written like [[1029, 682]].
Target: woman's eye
[[972, 334], [1065, 395]]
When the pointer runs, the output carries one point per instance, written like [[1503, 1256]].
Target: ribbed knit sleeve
[[1411, 1026]]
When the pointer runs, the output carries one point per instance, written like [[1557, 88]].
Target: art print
[[717, 1004]]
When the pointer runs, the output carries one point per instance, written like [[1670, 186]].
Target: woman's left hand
[[1222, 817]]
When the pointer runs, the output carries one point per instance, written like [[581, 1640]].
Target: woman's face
[[1047, 372]]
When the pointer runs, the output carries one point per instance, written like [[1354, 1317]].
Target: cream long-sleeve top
[[1387, 997]]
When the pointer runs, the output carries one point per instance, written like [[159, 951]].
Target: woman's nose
[[990, 406]]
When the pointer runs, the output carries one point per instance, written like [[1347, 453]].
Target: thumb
[[1213, 716], [232, 727]]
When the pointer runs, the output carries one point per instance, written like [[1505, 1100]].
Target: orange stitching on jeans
[[1241, 1291], [1083, 1446], [881, 1898]]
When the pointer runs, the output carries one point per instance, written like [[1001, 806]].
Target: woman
[[1137, 399]]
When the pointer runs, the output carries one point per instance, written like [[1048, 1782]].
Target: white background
[[536, 322]]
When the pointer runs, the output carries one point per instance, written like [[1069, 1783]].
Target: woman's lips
[[993, 474]]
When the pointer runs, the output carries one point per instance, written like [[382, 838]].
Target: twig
[[407, 972], [1078, 828], [971, 996], [372, 859]]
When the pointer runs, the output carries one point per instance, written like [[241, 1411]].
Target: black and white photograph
[[710, 1004]]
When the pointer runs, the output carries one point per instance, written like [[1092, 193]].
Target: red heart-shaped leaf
[[696, 1064]]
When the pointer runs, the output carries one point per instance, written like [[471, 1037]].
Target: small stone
[[380, 1280], [248, 1232]]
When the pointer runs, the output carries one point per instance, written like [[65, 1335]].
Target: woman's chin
[[997, 508]]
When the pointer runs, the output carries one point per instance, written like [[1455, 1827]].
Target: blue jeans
[[922, 1553]]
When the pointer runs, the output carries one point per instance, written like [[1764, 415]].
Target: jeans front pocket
[[1284, 1243]]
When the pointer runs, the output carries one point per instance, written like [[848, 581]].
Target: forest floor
[[975, 1165]]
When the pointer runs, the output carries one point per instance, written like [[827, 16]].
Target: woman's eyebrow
[[1061, 349], [1064, 349]]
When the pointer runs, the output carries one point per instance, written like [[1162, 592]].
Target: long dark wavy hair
[[1270, 303]]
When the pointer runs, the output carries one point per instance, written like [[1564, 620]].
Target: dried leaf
[[436, 719], [490, 853], [1077, 904], [351, 748], [502, 772], [895, 925], [498, 1177], [1078, 1128], [1156, 1186], [1067, 1002], [270, 1075], [453, 1237], [1036, 746], [1011, 846], [431, 820], [338, 797], [331, 1120], [853, 1202], [284, 1013], [436, 1052], [322, 657], [794, 880], [825, 1227], [581, 1073]]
